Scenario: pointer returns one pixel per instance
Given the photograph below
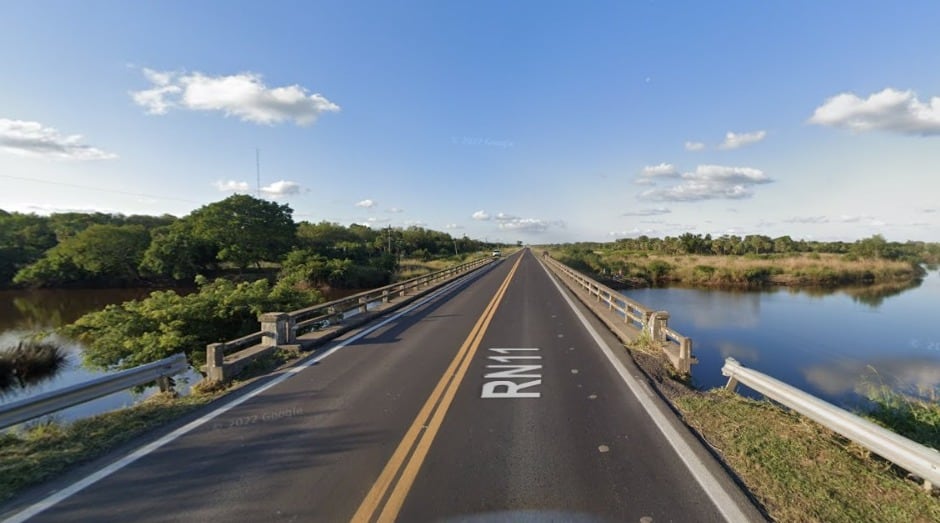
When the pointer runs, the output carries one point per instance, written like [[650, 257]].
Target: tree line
[[874, 247], [236, 234]]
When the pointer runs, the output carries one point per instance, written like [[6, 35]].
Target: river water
[[828, 343], [24, 312]]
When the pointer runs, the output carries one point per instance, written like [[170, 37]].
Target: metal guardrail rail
[[56, 400], [919, 459], [677, 347]]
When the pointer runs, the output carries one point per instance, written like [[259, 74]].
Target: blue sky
[[532, 121]]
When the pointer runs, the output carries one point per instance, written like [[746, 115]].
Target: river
[[828, 343], [23, 312]]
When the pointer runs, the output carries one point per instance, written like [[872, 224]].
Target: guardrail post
[[363, 304], [215, 359], [657, 325], [385, 297], [275, 328]]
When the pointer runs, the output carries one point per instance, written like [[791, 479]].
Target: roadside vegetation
[[796, 469], [751, 261], [29, 362], [41, 450]]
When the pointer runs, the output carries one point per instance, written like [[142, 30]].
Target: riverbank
[[746, 271]]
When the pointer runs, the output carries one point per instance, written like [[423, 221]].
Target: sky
[[508, 121]]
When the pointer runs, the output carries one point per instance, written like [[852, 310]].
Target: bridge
[[496, 397]]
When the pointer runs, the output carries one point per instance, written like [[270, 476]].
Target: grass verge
[[799, 470], [41, 450]]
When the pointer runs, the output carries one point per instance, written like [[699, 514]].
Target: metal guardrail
[[55, 400], [676, 346], [919, 459], [283, 328]]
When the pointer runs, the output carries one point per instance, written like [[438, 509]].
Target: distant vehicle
[[496, 253]]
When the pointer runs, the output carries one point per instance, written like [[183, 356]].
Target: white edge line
[[94, 477], [715, 491]]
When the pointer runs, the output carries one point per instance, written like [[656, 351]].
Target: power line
[[100, 189]]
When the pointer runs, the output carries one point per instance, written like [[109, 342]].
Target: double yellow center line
[[401, 470]]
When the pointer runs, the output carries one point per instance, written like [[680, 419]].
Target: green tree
[[103, 254], [246, 230]]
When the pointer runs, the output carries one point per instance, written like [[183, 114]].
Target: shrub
[[165, 323]]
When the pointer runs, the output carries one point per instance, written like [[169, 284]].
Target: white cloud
[[648, 212], [807, 219], [709, 182], [663, 170], [415, 223], [232, 186], [481, 215], [503, 217], [887, 110], [453, 226], [529, 225], [375, 221], [27, 138], [735, 140], [281, 188], [694, 146], [394, 210], [366, 204], [242, 95], [644, 181]]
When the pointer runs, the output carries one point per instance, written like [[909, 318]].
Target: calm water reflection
[[827, 343], [23, 312]]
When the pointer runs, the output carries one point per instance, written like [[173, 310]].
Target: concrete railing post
[[215, 360], [363, 304], [385, 296], [685, 356], [658, 323], [275, 328]]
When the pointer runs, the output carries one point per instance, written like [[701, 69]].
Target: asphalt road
[[492, 401]]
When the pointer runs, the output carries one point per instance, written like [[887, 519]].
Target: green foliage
[[176, 252], [141, 331], [100, 253], [245, 229], [307, 269]]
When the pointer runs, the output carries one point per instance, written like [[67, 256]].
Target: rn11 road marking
[[503, 388]]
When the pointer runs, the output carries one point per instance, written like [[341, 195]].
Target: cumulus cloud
[[481, 215], [663, 170], [366, 204], [735, 140], [27, 138], [375, 221], [241, 95], [710, 182], [394, 210], [278, 189], [453, 226], [232, 186], [648, 212], [694, 146], [530, 225], [281, 189], [887, 110]]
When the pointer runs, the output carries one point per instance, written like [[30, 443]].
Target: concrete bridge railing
[[678, 348], [321, 322]]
